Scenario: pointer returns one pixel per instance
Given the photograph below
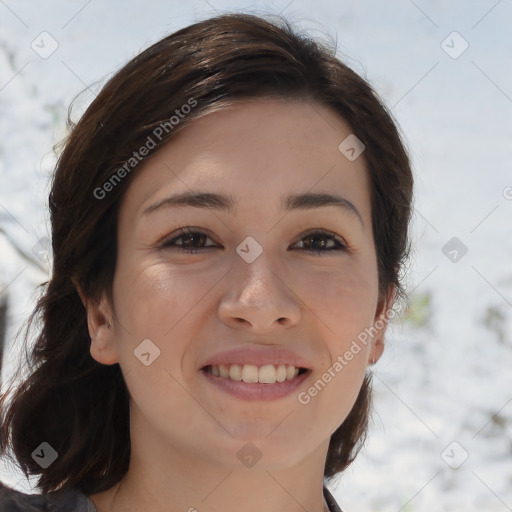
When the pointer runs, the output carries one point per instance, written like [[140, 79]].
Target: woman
[[229, 221]]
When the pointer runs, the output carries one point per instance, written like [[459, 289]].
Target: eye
[[191, 241], [317, 242]]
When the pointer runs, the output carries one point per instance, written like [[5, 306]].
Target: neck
[[191, 483]]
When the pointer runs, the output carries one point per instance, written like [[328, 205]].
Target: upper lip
[[256, 355]]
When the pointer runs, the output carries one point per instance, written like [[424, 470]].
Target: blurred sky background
[[441, 433]]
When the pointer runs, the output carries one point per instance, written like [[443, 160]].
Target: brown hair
[[79, 406]]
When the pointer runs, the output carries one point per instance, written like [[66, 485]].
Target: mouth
[[252, 382], [253, 374]]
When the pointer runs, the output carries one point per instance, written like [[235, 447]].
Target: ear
[[380, 324], [100, 322]]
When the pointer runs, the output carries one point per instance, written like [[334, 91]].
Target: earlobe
[[103, 346], [376, 350], [101, 330], [104, 352], [380, 324]]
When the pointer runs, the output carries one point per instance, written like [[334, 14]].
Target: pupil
[[317, 244], [190, 238]]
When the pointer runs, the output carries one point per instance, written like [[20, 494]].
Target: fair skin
[[186, 432]]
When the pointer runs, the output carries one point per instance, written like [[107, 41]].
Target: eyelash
[[187, 232]]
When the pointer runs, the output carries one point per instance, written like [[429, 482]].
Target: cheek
[[343, 306], [157, 304], [343, 298], [152, 298], [164, 304], [343, 303]]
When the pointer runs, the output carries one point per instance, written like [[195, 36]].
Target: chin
[[261, 442]]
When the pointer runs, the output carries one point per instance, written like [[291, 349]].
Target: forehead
[[254, 150]]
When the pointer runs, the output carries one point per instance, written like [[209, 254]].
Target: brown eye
[[317, 242], [192, 241]]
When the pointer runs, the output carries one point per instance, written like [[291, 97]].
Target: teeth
[[250, 373], [291, 372], [281, 373], [235, 372], [267, 374]]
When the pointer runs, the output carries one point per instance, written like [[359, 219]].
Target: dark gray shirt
[[72, 500]]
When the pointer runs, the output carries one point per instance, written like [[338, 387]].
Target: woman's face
[[246, 288]]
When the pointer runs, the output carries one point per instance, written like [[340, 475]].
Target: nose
[[258, 297]]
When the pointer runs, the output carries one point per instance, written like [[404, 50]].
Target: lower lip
[[256, 391]]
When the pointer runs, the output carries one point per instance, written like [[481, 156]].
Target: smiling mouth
[[249, 373]]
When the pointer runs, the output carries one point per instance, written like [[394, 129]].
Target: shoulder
[[70, 500], [16, 501]]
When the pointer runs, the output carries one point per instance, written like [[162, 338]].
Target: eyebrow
[[227, 203]]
